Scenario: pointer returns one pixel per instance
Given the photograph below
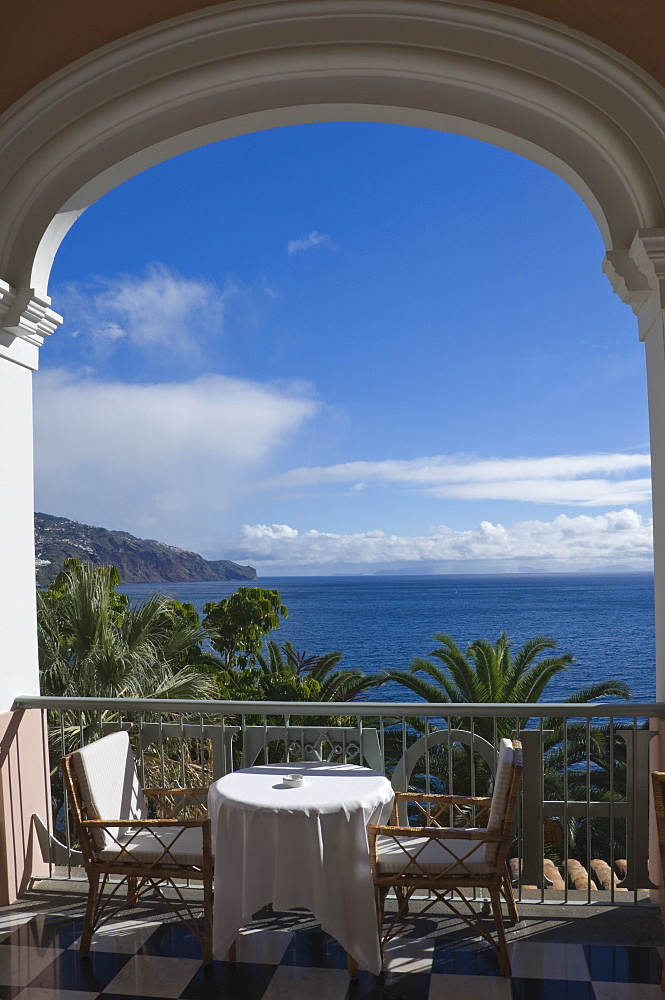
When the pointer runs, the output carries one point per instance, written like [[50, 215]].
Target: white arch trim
[[468, 66]]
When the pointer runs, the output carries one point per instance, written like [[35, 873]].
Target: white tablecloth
[[298, 847]]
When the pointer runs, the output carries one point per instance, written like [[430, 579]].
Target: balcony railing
[[585, 789]]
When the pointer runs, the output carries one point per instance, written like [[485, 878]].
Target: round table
[[299, 847]]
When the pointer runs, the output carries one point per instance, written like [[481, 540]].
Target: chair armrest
[[140, 823], [177, 790], [438, 832], [446, 800], [433, 806]]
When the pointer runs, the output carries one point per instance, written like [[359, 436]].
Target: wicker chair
[[117, 838], [449, 860], [658, 786]]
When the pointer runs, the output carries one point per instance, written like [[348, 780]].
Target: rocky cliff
[[140, 560]]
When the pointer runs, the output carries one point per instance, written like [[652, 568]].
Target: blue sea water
[[605, 621]]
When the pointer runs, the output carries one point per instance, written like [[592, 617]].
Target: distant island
[[139, 560]]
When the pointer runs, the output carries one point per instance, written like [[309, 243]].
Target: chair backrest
[[108, 784], [504, 796], [410, 761]]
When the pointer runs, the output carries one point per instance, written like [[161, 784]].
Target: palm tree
[[488, 673], [283, 674], [491, 673], [93, 644], [333, 684]]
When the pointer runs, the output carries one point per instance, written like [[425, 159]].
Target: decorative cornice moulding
[[647, 251], [627, 280], [27, 317]]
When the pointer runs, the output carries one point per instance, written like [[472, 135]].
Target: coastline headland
[[139, 560]]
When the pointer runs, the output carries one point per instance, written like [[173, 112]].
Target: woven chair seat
[[431, 855], [144, 847]]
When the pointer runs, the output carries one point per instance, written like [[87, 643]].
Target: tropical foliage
[[491, 673], [244, 669], [283, 674], [93, 643], [237, 626]]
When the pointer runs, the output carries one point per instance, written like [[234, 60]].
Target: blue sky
[[347, 347]]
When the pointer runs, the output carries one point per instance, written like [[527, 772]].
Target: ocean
[[606, 621]]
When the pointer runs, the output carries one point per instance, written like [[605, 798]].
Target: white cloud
[[313, 239], [576, 492], [618, 538], [597, 480], [162, 459], [159, 311]]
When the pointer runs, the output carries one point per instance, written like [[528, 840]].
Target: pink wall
[[23, 774]]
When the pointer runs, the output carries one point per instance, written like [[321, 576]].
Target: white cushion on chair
[[502, 779], [145, 848], [109, 784], [438, 856]]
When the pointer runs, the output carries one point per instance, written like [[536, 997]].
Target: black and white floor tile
[[289, 958]]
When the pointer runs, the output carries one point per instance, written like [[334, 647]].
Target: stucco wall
[[24, 795], [18, 634], [41, 37]]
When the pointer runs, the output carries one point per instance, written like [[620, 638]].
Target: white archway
[[503, 76], [468, 66]]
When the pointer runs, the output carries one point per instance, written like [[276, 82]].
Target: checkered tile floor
[[287, 956]]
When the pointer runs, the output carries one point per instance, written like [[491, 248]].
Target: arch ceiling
[[488, 72]]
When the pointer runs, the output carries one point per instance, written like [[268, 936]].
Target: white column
[[654, 342], [639, 278], [25, 320], [648, 253], [18, 631]]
